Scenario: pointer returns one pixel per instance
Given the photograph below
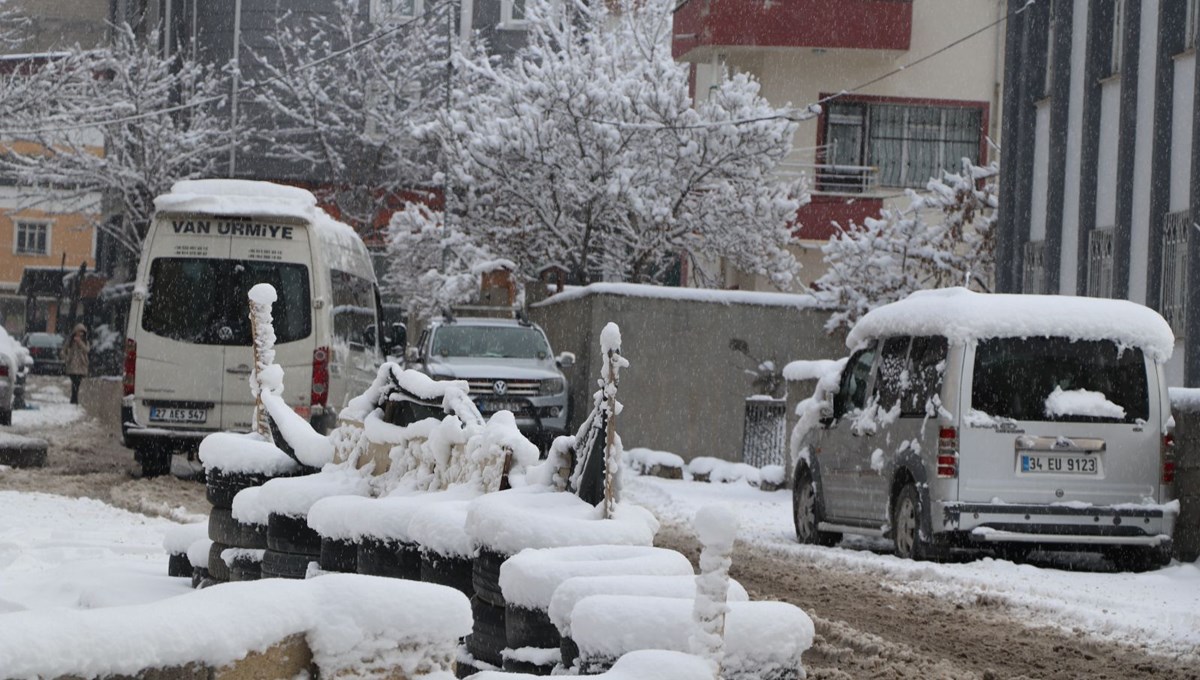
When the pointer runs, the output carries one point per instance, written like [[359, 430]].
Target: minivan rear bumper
[[1065, 525]]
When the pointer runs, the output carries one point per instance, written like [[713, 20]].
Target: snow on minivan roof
[[964, 316]]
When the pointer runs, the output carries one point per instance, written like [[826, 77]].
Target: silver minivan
[[1009, 422]]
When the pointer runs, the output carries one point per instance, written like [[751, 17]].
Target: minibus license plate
[[160, 414], [1062, 465]]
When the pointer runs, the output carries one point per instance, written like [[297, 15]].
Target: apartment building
[[1102, 182], [886, 124]]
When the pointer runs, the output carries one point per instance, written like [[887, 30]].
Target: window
[[490, 342], [203, 301], [1034, 280], [1014, 377], [512, 12], [893, 376], [353, 307], [383, 10], [1118, 37], [33, 238], [1173, 297], [852, 394], [1190, 24], [925, 367], [908, 144], [1100, 263]]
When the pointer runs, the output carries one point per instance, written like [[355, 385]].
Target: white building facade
[[1100, 179]]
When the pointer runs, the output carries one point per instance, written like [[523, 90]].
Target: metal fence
[[764, 439]]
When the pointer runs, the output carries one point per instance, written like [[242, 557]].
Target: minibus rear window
[[203, 301], [1013, 377]]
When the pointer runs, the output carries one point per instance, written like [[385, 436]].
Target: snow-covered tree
[[118, 121], [587, 151], [431, 267], [12, 25], [904, 250], [341, 97]]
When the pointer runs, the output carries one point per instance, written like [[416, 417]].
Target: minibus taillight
[[1168, 460], [128, 381], [947, 459], [3, 370], [320, 376]]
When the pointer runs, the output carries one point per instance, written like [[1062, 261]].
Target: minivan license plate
[[160, 414], [1068, 465]]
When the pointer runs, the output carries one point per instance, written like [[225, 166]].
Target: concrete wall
[[685, 389]]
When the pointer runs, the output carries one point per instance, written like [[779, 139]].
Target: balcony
[[703, 27], [847, 180]]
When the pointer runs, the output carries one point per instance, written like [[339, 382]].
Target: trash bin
[[764, 437]]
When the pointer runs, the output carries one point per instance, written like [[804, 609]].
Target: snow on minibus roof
[[264, 200], [964, 316]]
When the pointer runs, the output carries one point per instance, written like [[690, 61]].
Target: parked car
[[188, 349], [46, 349], [15, 362], [1011, 422], [509, 366]]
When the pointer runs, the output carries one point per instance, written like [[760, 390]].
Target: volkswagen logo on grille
[[500, 387]]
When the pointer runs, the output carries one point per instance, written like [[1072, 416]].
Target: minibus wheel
[[906, 525], [806, 513]]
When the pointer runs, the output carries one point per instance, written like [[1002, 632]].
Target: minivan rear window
[[203, 300], [1014, 377]]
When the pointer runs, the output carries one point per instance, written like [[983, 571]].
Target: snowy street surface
[[880, 616], [85, 532]]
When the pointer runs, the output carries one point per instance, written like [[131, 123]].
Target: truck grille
[[512, 388]]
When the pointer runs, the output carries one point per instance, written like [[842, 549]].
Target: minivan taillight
[[320, 376], [3, 370], [1168, 460], [947, 458], [129, 380]]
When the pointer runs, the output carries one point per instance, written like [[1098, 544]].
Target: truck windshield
[[1060, 379], [203, 301], [502, 342]]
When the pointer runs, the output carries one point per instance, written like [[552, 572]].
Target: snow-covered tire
[[569, 651], [287, 534], [221, 486], [806, 513], [277, 564], [447, 570], [6, 417], [178, 565], [154, 463], [244, 569], [525, 627], [1137, 559], [906, 526], [486, 642], [526, 667], [485, 576], [223, 528], [217, 569], [339, 555], [392, 559], [200, 577]]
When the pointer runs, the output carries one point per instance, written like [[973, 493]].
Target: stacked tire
[[226, 532], [389, 558], [488, 639], [291, 546]]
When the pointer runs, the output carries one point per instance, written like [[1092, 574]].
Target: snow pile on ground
[[963, 316], [60, 553], [704, 468], [49, 409], [641, 665], [349, 621], [530, 578], [1158, 610], [644, 460], [536, 517], [1081, 403], [248, 453], [572, 590], [762, 639]]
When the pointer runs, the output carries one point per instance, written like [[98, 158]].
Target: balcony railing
[[834, 179]]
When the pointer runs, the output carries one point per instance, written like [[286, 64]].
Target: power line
[[246, 88]]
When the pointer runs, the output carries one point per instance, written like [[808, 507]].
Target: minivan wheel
[[154, 463], [1138, 559], [906, 525], [805, 515]]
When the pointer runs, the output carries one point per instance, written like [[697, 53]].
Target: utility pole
[[237, 83]]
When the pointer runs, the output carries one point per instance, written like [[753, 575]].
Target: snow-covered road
[[1157, 611]]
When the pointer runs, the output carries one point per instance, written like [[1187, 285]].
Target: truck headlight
[[551, 386]]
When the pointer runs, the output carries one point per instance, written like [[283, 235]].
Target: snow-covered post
[[716, 526], [610, 345], [262, 296]]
